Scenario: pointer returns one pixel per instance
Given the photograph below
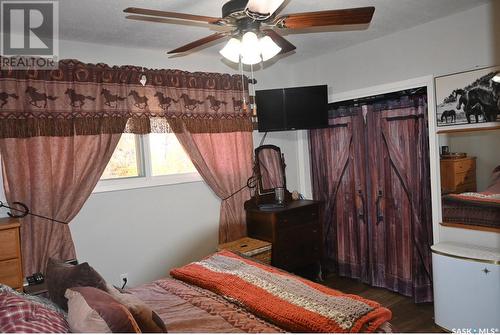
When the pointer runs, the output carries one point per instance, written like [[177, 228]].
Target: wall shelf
[[469, 128], [470, 227]]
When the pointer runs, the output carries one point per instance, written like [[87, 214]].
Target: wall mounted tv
[[292, 108]]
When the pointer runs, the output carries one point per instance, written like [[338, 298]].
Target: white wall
[[452, 44]]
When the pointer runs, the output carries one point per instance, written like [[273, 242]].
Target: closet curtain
[[371, 168], [59, 128]]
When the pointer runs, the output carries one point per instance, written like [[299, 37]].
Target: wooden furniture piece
[[250, 247], [458, 175], [294, 231], [10, 254], [466, 286]]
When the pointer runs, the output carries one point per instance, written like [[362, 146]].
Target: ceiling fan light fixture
[[250, 48], [251, 59], [232, 50], [268, 48]]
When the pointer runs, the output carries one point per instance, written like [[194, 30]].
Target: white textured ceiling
[[102, 21]]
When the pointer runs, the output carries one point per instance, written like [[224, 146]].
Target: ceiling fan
[[252, 26]]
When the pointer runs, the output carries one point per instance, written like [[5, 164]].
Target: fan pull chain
[[252, 105], [240, 67]]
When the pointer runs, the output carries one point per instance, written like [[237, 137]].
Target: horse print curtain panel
[[88, 99]]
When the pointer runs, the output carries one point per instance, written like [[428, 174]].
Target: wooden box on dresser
[[10, 254], [294, 230], [458, 175]]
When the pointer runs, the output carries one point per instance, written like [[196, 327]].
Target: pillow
[[20, 313], [495, 181], [91, 310], [61, 276], [147, 319]]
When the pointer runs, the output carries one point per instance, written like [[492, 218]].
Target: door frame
[[304, 167]]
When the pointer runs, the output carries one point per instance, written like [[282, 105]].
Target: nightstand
[[250, 247], [458, 175], [10, 254]]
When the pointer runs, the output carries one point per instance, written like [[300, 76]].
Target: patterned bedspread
[[293, 303], [189, 309], [483, 198]]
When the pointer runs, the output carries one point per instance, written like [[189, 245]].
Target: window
[[147, 160], [125, 160]]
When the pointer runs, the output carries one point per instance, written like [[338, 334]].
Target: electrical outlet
[[123, 278]]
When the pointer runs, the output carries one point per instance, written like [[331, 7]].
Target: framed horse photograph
[[470, 97]]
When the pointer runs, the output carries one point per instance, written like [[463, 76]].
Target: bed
[[223, 293], [480, 209], [475, 208]]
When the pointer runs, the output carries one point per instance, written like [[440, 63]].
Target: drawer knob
[[486, 271]]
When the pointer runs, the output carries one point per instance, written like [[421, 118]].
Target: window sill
[[121, 184]]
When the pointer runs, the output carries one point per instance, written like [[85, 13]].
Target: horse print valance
[[87, 99]]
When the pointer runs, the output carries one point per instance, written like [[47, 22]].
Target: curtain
[[53, 176], [59, 128], [372, 171], [224, 161]]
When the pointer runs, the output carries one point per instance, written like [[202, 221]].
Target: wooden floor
[[407, 317]]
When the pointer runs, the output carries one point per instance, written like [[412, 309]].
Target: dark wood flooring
[[407, 317]]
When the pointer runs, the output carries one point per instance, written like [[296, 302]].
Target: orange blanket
[[291, 302]]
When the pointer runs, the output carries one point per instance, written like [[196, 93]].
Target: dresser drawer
[[9, 244], [297, 217], [468, 177], [464, 165], [10, 273], [297, 247]]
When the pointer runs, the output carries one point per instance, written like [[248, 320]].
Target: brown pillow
[[495, 181], [147, 319], [91, 310], [61, 276]]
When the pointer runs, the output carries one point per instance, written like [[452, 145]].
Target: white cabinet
[[466, 287]]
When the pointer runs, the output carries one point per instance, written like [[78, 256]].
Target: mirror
[[270, 167]]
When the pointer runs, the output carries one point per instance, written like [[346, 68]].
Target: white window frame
[[145, 178]]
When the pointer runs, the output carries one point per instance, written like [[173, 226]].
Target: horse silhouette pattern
[[33, 96], [215, 104], [450, 113], [110, 98], [237, 104], [77, 100], [4, 96], [189, 103], [140, 102], [164, 101]]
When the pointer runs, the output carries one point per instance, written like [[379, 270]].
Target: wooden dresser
[[293, 230], [458, 175], [11, 272]]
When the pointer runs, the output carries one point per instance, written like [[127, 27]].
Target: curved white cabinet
[[466, 287]]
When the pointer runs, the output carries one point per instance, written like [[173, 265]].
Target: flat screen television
[[292, 108]]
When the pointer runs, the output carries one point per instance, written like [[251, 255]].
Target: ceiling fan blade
[[280, 41], [361, 15], [198, 43], [174, 15], [155, 19], [264, 7]]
